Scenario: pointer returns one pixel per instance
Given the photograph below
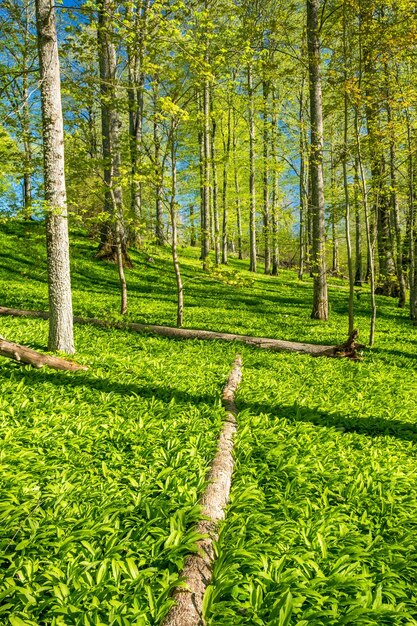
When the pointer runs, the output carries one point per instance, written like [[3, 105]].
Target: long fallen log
[[188, 607], [345, 350], [23, 354]]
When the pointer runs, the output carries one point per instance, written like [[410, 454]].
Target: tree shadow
[[33, 378], [369, 426], [387, 354]]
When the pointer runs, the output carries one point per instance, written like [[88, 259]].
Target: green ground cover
[[101, 470], [100, 473]]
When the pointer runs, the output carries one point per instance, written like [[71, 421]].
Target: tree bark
[[368, 231], [275, 186], [193, 240], [303, 200], [136, 78], [215, 188], [345, 176], [237, 192], [318, 261], [266, 207], [173, 214], [252, 190], [113, 231], [159, 174], [358, 232], [57, 240], [396, 209], [226, 149], [412, 223], [205, 223]]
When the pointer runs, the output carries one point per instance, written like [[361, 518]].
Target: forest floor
[[101, 470]]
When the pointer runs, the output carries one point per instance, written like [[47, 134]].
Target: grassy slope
[[324, 502]]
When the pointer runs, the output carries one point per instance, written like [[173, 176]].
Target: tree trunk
[[318, 261], [215, 190], [113, 233], [136, 79], [275, 187], [173, 214], [396, 210], [335, 241], [193, 240], [252, 190], [159, 216], [302, 186], [57, 241], [358, 231], [381, 200], [345, 177], [237, 192], [411, 223], [266, 211], [27, 146], [205, 224], [368, 231], [226, 150]]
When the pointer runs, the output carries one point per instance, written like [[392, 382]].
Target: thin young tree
[[61, 335], [113, 238], [318, 260], [252, 189]]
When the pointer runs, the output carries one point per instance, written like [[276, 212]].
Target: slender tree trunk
[[380, 191], [358, 231], [205, 226], [368, 231], [252, 190], [266, 208], [411, 223], [57, 241], [121, 271], [396, 211], [318, 261], [237, 192], [302, 185], [113, 230], [226, 149], [159, 215], [203, 208], [215, 190], [193, 239], [345, 177], [335, 242], [275, 187], [173, 214], [27, 146], [136, 78]]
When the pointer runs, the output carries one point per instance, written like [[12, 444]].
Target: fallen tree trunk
[[277, 345], [22, 354], [188, 609]]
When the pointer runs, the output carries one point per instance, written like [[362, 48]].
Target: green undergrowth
[[228, 299], [100, 471], [322, 523]]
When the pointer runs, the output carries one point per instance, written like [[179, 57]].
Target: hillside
[[101, 470]]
